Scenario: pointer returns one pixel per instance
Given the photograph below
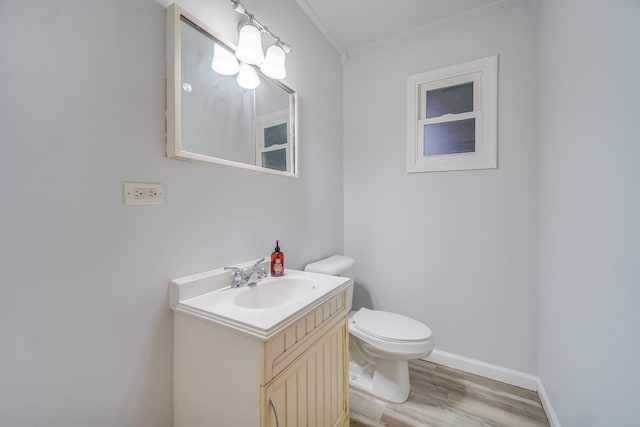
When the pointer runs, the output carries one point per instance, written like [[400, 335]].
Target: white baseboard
[[484, 369], [546, 404], [498, 373]]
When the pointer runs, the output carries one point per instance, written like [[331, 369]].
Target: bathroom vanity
[[274, 354]]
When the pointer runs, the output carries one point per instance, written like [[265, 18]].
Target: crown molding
[[424, 28], [311, 13]]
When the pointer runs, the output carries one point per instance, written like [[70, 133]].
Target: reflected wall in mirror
[[210, 117]]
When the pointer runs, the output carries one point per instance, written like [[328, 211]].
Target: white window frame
[[267, 121], [484, 75]]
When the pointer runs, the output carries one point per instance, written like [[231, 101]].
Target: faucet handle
[[235, 270], [237, 275], [263, 272]]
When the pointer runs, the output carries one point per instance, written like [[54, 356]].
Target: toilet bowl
[[380, 343]]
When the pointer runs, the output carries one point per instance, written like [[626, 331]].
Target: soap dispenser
[[277, 261]]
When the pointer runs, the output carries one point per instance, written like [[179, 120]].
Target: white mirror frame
[[174, 147]]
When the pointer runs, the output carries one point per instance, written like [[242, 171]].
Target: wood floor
[[445, 397]]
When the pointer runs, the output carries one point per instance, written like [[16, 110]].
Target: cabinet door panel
[[326, 376], [302, 397], [312, 391]]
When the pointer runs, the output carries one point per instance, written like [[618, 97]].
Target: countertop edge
[[255, 332]]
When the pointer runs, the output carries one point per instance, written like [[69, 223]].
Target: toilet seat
[[387, 326], [369, 326]]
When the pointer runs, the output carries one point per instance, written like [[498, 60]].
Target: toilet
[[380, 343]]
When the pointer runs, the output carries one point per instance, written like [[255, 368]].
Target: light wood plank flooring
[[445, 397]]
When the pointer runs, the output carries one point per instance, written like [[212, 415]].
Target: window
[[452, 117], [272, 137]]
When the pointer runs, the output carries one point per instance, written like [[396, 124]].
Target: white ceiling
[[352, 24]]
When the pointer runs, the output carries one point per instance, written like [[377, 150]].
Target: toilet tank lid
[[334, 265]]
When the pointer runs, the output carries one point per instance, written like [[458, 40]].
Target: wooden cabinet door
[[313, 390]]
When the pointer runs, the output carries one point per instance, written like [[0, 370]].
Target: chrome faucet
[[248, 276]]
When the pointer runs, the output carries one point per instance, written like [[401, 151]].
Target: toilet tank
[[336, 265]]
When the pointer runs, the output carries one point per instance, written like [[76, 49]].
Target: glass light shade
[[224, 62], [273, 65], [250, 45], [247, 77]]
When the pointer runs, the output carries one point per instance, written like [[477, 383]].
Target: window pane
[[275, 135], [276, 159], [450, 137], [450, 100]]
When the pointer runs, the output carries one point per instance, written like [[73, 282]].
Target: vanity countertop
[[209, 296]]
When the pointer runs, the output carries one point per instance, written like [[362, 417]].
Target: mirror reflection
[[217, 120]]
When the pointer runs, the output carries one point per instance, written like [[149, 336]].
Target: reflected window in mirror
[[272, 140]]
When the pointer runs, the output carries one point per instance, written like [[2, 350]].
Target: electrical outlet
[[139, 193]]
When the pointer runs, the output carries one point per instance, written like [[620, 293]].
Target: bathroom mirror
[[211, 118]]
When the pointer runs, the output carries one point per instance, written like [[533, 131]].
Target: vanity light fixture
[[224, 62], [247, 77], [249, 53], [273, 65], [249, 48]]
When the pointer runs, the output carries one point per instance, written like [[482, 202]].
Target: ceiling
[[352, 24]]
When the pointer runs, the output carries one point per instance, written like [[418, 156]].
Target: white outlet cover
[[143, 193]]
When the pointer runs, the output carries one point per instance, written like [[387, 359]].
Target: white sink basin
[[260, 311], [275, 292]]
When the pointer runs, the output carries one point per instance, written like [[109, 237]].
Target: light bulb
[[224, 62], [250, 45], [273, 65], [247, 77]]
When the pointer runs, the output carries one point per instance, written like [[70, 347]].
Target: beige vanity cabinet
[[295, 378]]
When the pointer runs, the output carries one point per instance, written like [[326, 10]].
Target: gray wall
[[590, 210], [455, 250], [85, 329]]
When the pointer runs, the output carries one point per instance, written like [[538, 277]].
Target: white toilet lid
[[390, 326]]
